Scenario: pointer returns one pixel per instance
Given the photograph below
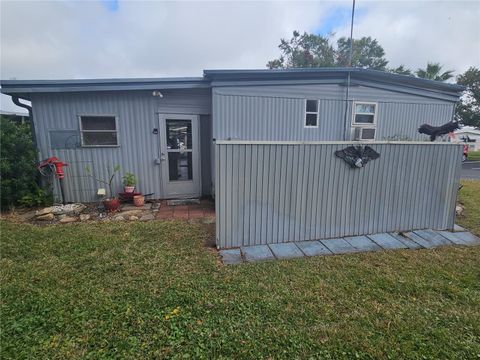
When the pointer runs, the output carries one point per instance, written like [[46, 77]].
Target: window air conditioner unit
[[363, 133]]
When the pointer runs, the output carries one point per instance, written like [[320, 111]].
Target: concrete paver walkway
[[417, 239]]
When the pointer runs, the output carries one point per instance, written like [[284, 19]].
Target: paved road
[[471, 170]]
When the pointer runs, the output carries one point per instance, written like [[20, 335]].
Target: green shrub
[[18, 172]]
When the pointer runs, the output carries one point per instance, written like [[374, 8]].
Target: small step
[[175, 202]]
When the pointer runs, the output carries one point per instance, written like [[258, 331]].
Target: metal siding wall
[[274, 193], [206, 153], [137, 115], [277, 112]]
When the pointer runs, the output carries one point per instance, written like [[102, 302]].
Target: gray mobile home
[[181, 136]]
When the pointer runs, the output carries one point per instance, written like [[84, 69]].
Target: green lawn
[[474, 155], [470, 197], [153, 290]]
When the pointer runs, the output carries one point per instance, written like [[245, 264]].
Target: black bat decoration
[[435, 131], [357, 157]]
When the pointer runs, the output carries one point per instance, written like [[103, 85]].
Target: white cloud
[[416, 32], [73, 39]]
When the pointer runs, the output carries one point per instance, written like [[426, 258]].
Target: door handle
[[163, 157]]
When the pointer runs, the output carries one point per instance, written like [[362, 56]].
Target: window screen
[[364, 113], [311, 113], [98, 130], [64, 139]]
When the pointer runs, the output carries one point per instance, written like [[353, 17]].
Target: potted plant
[[129, 182], [139, 200], [111, 203]]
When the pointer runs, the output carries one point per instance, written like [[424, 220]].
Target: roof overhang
[[358, 76], [25, 87]]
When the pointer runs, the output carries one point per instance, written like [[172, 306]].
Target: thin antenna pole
[[345, 127], [351, 36]]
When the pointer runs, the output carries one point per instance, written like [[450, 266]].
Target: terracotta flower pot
[[111, 205], [129, 189], [139, 200]]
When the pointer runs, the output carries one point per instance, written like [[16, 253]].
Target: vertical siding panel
[[248, 195], [234, 204], [253, 189]]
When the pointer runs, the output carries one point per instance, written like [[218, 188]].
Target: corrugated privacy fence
[[279, 192]]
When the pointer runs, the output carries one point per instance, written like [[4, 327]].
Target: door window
[[179, 149]]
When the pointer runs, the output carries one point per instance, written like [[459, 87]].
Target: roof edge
[[31, 86], [298, 73]]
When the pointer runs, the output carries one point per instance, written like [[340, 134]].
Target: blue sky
[[338, 17], [111, 5]]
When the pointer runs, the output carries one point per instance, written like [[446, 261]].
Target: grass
[[153, 290], [469, 196], [474, 155]]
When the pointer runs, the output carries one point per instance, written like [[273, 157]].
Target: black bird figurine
[[435, 131], [357, 157]]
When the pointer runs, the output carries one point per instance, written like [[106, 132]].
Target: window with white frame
[[311, 113], [98, 130], [364, 113]]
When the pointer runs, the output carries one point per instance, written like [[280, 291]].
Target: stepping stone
[[468, 238], [129, 207], [419, 240], [362, 243], [286, 251], [231, 256], [147, 217], [435, 238], [461, 238], [175, 202], [458, 228], [406, 241], [313, 248], [257, 253], [387, 241], [339, 246]]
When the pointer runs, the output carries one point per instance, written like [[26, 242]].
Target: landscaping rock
[[67, 219], [74, 209], [155, 206], [147, 217], [459, 210], [209, 220], [61, 216], [118, 218], [45, 217], [133, 218], [84, 217], [44, 211], [129, 207], [130, 212]]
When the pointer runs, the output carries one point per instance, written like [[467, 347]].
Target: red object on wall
[[55, 162]]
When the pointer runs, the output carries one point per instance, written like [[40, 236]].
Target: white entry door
[[180, 155]]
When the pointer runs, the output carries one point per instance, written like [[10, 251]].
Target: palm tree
[[434, 72]]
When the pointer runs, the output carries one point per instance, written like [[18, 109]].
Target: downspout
[[345, 128], [17, 102]]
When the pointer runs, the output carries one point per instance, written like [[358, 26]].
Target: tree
[[18, 171], [401, 70], [367, 53], [305, 51], [468, 110], [310, 50], [433, 71]]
